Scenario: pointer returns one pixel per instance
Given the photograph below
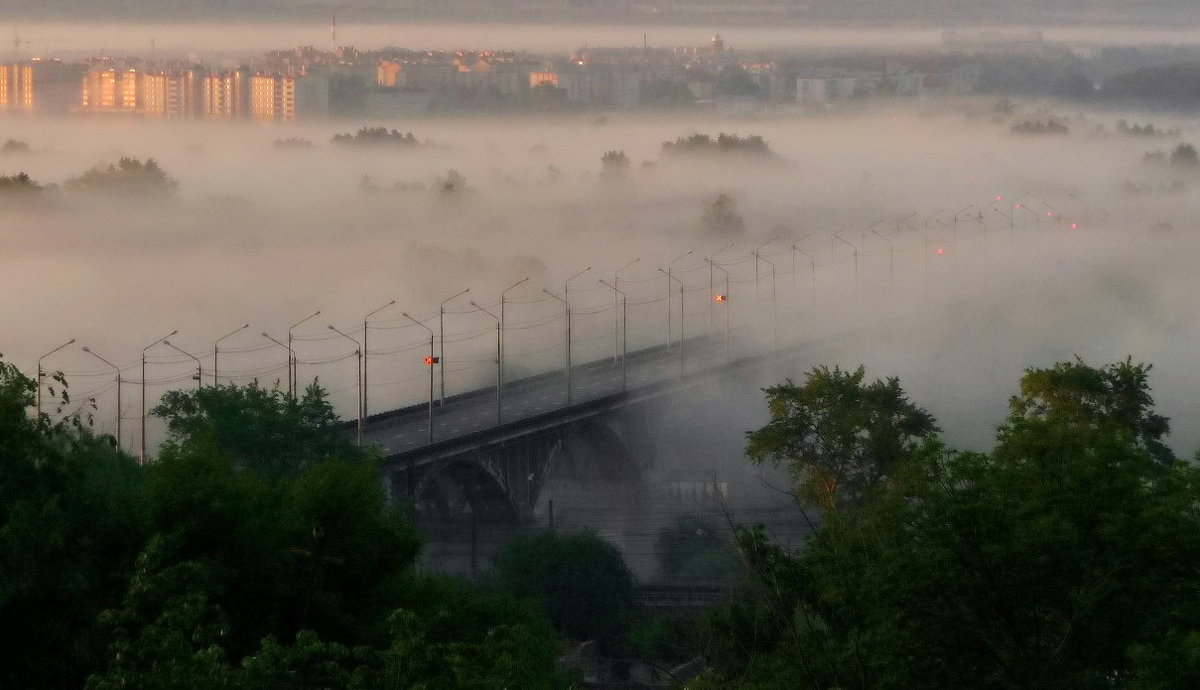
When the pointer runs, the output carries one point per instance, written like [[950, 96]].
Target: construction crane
[[16, 45]]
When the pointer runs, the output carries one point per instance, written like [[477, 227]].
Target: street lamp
[[711, 292], [429, 362], [723, 298], [1055, 213], [839, 238], [293, 384], [366, 352], [812, 265], [964, 208], [794, 250], [755, 253], [669, 278], [359, 352], [289, 364], [118, 370], [199, 371], [619, 334], [681, 323], [567, 308], [774, 307], [503, 329], [143, 451], [618, 317], [1010, 221], [442, 342], [42, 374], [218, 342], [891, 255], [499, 359]]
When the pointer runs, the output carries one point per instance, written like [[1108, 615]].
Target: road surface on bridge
[[408, 429]]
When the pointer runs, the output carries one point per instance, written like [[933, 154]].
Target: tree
[[614, 165], [1060, 559], [732, 80], [453, 182], [14, 146], [580, 580], [266, 430], [1184, 156], [720, 215], [71, 520], [839, 439], [377, 136], [128, 176], [694, 548], [1075, 394]]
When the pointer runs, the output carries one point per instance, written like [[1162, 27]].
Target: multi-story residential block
[[288, 97], [16, 87], [225, 95], [171, 94]]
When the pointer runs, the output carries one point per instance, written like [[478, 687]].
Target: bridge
[[491, 455]]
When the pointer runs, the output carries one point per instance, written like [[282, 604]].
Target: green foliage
[[1184, 156], [696, 549], [261, 429], [580, 581], [453, 182], [546, 97], [21, 183], [377, 136], [721, 216], [71, 519], [732, 80], [839, 439], [666, 93], [14, 146], [127, 177], [1041, 127], [293, 143], [1064, 558], [1077, 395], [614, 165], [188, 572], [724, 143]]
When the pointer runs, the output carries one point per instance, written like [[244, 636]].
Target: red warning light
[[720, 298], [1049, 214], [999, 197], [941, 251], [1074, 226], [430, 361]]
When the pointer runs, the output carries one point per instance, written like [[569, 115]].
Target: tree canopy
[[223, 564], [838, 437], [1063, 558]]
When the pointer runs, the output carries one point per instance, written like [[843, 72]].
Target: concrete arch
[[460, 486], [592, 451]]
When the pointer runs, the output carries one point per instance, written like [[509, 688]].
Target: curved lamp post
[[503, 328], [217, 343], [499, 360], [199, 371], [117, 369], [365, 352], [41, 374], [293, 384], [442, 342], [358, 351], [430, 361], [669, 279], [723, 298], [289, 363], [619, 334], [142, 455]]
